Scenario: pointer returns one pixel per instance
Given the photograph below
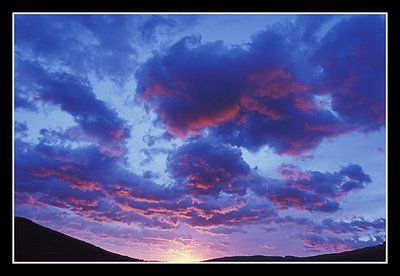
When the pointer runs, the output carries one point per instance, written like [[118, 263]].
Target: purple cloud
[[317, 243], [356, 225], [204, 167], [103, 45], [285, 196], [207, 167], [97, 123], [311, 190], [186, 87], [211, 182], [355, 172], [334, 236], [95, 186], [84, 180], [355, 70], [259, 97]]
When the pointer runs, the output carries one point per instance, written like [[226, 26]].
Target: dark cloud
[[285, 195], [100, 44], [104, 45], [297, 134], [354, 70], [86, 181], [356, 173], [311, 190], [211, 189], [96, 186], [97, 123], [23, 100], [20, 129], [187, 87], [259, 94], [207, 167]]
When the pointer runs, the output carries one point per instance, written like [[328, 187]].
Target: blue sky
[[184, 137]]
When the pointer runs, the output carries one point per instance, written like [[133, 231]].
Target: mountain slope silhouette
[[34, 242], [367, 254]]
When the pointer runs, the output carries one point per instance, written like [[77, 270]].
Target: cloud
[[20, 129], [291, 172], [355, 172], [85, 181], [153, 25], [103, 45], [200, 212], [97, 187], [213, 189], [97, 123], [331, 235], [355, 69], [285, 196], [259, 94], [100, 44], [207, 167], [357, 225], [311, 190], [222, 230], [187, 97], [317, 243]]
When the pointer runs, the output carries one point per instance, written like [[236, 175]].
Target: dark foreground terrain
[[37, 243], [33, 242], [367, 254]]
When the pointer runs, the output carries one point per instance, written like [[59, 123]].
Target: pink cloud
[[275, 83], [291, 172], [67, 175]]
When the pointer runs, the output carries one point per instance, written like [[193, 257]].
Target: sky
[[186, 137]]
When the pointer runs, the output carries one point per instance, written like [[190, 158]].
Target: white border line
[[12, 150], [196, 13], [201, 13]]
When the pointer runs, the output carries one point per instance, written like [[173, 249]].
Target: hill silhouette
[[34, 242], [367, 254]]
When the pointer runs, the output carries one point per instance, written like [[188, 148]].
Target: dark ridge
[[255, 258], [33, 242], [367, 254]]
